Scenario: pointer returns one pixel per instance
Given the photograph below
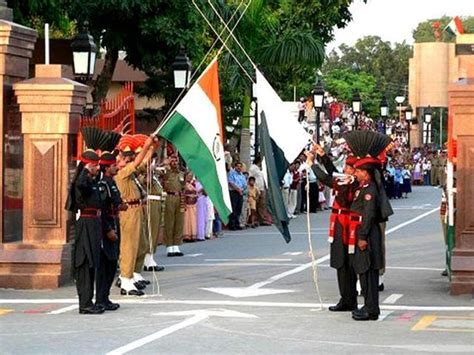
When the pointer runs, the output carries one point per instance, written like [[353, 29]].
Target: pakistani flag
[[195, 129], [289, 136], [271, 155], [455, 27]]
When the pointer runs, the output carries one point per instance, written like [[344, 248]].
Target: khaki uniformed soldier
[[131, 220], [435, 163], [173, 181], [154, 208]]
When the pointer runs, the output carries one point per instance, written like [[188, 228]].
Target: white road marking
[[293, 253], [384, 314], [236, 264], [65, 309], [256, 259], [420, 308], [197, 316], [413, 220], [277, 233], [256, 289], [193, 255], [152, 337], [393, 298], [412, 268]]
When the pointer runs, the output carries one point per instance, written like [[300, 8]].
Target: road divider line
[[393, 298], [413, 220], [256, 259], [421, 308], [64, 309]]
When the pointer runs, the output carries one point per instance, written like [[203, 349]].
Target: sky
[[394, 20]]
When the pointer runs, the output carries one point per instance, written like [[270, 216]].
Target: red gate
[[116, 114]]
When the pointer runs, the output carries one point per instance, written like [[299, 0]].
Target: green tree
[[424, 31], [35, 13], [387, 63], [344, 83]]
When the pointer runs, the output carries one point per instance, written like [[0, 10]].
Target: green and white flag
[[455, 27], [195, 129]]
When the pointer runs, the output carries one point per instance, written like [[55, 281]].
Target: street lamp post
[[408, 118], [318, 101], [84, 54], [356, 108], [384, 112], [427, 115], [400, 99], [182, 68]]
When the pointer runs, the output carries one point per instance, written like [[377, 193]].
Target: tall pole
[[256, 147], [46, 43], [440, 129], [409, 147], [356, 121], [318, 124]]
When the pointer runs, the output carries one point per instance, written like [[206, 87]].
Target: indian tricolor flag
[[455, 27], [195, 129]]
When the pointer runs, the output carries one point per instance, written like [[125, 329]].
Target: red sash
[[340, 215], [355, 220]]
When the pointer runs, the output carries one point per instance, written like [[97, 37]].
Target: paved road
[[249, 292]]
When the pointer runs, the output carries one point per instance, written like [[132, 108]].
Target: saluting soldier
[[365, 221], [110, 221], [131, 220], [343, 190], [144, 242], [369, 210], [173, 183], [84, 197]]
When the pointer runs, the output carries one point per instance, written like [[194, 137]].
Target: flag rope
[[231, 33], [311, 251], [224, 43], [184, 90], [149, 181]]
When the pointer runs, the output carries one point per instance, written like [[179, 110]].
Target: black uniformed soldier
[[88, 230], [343, 191], [365, 223], [112, 204]]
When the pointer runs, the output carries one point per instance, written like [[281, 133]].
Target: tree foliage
[[285, 38], [424, 31], [387, 63], [344, 83]]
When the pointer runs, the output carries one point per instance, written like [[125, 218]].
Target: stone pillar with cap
[[50, 107], [461, 105], [16, 48]]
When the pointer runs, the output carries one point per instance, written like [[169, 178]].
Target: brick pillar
[[461, 102], [16, 48], [50, 107]]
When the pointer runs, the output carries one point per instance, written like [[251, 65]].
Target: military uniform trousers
[[108, 265], [341, 260], [86, 258], [144, 243], [174, 221], [155, 223], [105, 278], [131, 224]]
